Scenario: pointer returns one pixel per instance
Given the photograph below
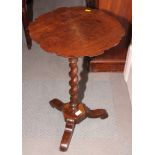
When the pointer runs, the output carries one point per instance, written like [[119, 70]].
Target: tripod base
[[73, 117]]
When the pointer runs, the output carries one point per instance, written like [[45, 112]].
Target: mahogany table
[[75, 32]]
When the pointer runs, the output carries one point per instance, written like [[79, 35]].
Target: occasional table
[[74, 32]]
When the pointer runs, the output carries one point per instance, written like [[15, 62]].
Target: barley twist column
[[73, 82]]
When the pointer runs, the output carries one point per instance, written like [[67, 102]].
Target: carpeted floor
[[45, 76]]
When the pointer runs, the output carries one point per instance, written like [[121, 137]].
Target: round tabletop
[[76, 31]]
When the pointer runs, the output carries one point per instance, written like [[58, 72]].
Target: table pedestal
[[73, 111]]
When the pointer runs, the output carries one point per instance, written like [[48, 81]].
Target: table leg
[[66, 138], [97, 113], [73, 111], [56, 103]]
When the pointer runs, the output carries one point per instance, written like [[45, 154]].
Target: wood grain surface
[[113, 60], [76, 32]]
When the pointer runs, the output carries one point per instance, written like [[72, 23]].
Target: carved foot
[[69, 129], [56, 103], [98, 113]]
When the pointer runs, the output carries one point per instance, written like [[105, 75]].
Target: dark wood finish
[[66, 138], [25, 21], [122, 8], [102, 113], [56, 103], [72, 33], [73, 82], [94, 4], [114, 59], [72, 118], [74, 112]]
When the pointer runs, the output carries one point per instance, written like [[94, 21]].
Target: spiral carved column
[[73, 82]]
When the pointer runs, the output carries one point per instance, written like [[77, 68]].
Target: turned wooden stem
[[73, 82]]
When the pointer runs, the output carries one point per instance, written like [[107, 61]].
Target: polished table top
[[76, 31]]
